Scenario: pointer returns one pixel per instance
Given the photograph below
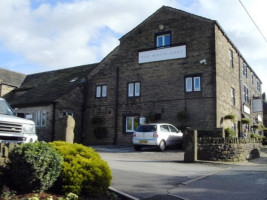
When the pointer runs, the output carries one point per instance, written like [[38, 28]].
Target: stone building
[[174, 67], [48, 97], [9, 81]]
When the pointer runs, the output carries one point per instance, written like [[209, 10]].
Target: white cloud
[[66, 33]]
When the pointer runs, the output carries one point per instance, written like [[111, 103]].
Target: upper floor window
[[163, 39], [245, 70], [245, 94], [231, 58], [252, 79], [134, 89], [193, 84], [233, 96], [101, 91], [258, 86]]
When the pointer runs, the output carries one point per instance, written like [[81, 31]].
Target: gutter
[[116, 107]]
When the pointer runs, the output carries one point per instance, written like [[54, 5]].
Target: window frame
[[233, 96], [192, 83], [245, 70], [163, 34], [132, 118], [245, 94], [101, 91], [231, 55], [40, 118], [258, 86], [135, 90]]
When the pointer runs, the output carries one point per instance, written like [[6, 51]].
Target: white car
[[156, 134], [15, 129]]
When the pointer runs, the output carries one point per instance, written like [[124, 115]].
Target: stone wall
[[223, 149]]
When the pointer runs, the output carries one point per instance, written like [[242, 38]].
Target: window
[[193, 84], [40, 118], [245, 94], [245, 70], [164, 128], [101, 91], [231, 58], [233, 96], [134, 89], [258, 86], [163, 40], [131, 123], [252, 79]]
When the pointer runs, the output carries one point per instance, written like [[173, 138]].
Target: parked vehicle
[[15, 129], [160, 135]]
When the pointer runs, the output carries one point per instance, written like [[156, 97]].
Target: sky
[[45, 35]]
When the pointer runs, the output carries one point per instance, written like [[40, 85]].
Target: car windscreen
[[4, 108], [146, 128]]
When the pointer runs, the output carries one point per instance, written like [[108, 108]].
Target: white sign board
[[246, 109], [257, 105], [260, 118], [162, 54], [142, 120]]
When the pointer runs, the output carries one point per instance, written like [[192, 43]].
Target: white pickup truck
[[15, 129]]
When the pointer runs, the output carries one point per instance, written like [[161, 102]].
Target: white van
[[15, 129]]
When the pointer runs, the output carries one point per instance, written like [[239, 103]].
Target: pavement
[[207, 181]]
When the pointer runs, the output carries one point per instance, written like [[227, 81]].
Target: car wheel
[[137, 148], [162, 145]]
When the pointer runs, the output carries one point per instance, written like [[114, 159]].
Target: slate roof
[[11, 78], [47, 87]]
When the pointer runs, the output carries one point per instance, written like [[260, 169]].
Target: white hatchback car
[[157, 134]]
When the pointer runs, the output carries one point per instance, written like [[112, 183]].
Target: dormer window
[[163, 39]]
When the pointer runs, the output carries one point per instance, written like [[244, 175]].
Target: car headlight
[[28, 129]]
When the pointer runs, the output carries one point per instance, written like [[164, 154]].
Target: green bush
[[83, 170], [33, 167], [229, 133]]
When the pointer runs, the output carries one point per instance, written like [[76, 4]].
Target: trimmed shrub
[[245, 121], [229, 133], [83, 170], [230, 117], [33, 167]]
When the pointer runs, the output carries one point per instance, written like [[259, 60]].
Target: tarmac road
[[148, 173]]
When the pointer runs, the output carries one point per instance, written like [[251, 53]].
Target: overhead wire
[[253, 21]]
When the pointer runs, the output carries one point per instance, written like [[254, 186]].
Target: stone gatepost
[[190, 139], [64, 129]]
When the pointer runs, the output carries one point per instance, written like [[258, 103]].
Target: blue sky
[[43, 35]]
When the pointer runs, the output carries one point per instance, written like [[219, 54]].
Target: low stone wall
[[230, 150]]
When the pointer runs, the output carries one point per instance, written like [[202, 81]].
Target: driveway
[[148, 173]]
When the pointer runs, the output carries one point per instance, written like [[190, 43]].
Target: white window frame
[[134, 89], [131, 119], [231, 55], [101, 91], [193, 84], [233, 96], [40, 118], [258, 86], [163, 37], [245, 94], [245, 70]]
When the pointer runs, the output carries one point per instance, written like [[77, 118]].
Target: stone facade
[[162, 83]]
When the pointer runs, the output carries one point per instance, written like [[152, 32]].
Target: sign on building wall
[[162, 54], [257, 105], [259, 118], [246, 109]]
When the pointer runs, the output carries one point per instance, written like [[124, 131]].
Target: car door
[[165, 133], [175, 135]]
